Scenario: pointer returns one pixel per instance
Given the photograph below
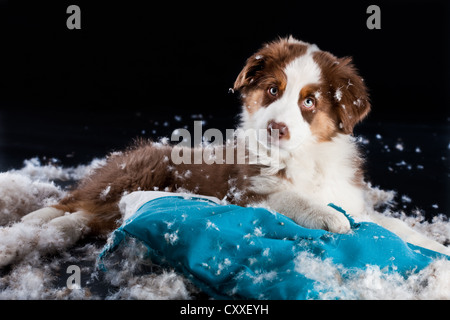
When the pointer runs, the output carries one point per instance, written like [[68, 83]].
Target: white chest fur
[[325, 172]]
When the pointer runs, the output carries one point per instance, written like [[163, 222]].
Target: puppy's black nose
[[283, 130]]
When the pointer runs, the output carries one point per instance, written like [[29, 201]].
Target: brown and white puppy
[[307, 100]]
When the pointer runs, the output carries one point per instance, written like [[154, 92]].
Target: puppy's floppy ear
[[350, 95], [249, 73]]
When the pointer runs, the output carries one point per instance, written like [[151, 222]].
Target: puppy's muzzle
[[280, 127]]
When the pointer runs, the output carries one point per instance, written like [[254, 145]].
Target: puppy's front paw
[[326, 219], [335, 222]]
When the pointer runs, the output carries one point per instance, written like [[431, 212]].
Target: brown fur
[[264, 69], [330, 116], [340, 74], [148, 166]]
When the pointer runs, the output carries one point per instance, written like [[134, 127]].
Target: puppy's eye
[[273, 91], [309, 103]]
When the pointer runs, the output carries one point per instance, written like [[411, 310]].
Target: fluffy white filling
[[38, 277]]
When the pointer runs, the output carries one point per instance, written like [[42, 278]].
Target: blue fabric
[[234, 252]]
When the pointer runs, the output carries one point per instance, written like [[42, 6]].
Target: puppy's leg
[[72, 227], [42, 233], [69, 226], [307, 214], [407, 234], [42, 216], [22, 238]]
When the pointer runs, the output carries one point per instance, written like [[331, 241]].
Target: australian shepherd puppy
[[307, 101]]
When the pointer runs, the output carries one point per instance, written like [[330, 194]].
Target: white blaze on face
[[299, 73]]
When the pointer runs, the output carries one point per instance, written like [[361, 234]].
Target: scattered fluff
[[133, 277], [38, 276], [35, 170], [438, 229], [137, 278], [20, 195], [167, 285], [433, 282]]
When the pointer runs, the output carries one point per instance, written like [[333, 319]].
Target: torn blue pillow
[[233, 252]]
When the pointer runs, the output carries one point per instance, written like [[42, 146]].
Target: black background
[[185, 55], [133, 67]]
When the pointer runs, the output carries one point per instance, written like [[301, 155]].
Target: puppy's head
[[303, 92]]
